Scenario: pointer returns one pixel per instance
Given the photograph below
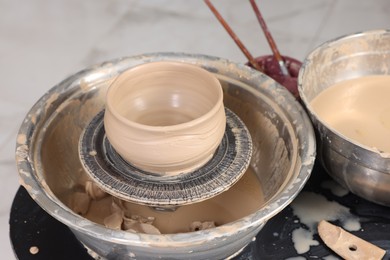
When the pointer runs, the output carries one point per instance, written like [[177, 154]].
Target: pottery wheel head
[[121, 179]]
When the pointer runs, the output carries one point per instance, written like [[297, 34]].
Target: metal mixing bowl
[[361, 169], [50, 170]]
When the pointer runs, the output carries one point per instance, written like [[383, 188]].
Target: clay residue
[[244, 198], [51, 99], [34, 250], [116, 216], [22, 152], [21, 139], [271, 155]]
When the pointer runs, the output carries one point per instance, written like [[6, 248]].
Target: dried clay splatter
[[311, 208]]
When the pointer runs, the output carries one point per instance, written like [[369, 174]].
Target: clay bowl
[[165, 118], [361, 169], [271, 68], [51, 171]]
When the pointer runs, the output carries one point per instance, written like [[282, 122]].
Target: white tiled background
[[44, 41]]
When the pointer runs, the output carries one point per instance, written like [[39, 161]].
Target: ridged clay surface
[[165, 118]]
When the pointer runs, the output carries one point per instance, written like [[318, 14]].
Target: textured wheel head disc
[[122, 180]]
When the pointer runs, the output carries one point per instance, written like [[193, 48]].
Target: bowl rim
[[38, 189]]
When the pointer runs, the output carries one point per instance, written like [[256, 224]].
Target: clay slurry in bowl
[[165, 118], [359, 109]]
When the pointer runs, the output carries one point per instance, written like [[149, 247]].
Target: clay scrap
[[346, 245]]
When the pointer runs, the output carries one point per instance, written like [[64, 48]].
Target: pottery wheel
[[122, 180]]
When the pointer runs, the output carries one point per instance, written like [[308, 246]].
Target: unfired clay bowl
[[165, 118], [47, 155], [359, 168]]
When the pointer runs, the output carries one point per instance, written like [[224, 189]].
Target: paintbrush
[[270, 39], [250, 58]]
